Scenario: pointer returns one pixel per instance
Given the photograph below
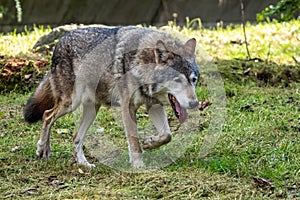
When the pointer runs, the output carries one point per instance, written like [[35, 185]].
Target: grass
[[275, 42], [20, 44], [257, 156]]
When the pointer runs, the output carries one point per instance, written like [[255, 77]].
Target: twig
[[244, 29], [269, 52], [295, 59]]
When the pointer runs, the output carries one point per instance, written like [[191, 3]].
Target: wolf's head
[[175, 75]]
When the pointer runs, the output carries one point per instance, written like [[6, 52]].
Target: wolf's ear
[[190, 46], [162, 54]]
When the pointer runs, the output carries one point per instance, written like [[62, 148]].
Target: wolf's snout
[[193, 104]]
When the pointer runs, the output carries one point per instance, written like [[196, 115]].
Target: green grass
[[259, 139], [20, 44], [275, 42]]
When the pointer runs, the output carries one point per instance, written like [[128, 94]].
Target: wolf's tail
[[40, 101]]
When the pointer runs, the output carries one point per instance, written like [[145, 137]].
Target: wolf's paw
[[150, 142], [137, 164], [87, 164], [136, 160], [155, 141], [81, 160], [43, 151]]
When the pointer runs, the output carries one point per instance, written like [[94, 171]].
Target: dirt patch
[[19, 75]]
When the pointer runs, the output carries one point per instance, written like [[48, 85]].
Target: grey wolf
[[128, 66]]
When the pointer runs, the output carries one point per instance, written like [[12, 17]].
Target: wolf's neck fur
[[137, 57], [146, 56]]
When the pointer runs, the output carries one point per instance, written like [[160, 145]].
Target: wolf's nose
[[193, 104]]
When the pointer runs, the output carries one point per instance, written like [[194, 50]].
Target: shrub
[[285, 10]]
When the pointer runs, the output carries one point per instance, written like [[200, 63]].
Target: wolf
[[126, 66]]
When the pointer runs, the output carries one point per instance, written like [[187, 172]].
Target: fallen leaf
[[63, 131], [16, 148], [203, 104], [31, 191], [53, 180], [80, 171], [263, 183], [28, 76]]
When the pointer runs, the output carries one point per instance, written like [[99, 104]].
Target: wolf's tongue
[[181, 112], [183, 115]]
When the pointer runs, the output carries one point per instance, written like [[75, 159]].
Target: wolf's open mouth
[[180, 112]]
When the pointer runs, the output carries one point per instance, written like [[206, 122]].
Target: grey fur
[[129, 66]]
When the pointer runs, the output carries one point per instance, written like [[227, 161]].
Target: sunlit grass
[[20, 44], [276, 42]]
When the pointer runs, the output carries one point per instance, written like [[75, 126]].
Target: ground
[[256, 156]]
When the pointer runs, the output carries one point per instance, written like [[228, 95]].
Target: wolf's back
[[80, 55]]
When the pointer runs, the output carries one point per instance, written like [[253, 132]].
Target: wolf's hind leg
[[159, 119], [88, 116], [49, 117], [43, 145]]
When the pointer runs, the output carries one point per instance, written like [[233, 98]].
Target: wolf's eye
[[194, 80]]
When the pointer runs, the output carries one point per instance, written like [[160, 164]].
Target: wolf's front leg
[[88, 116], [158, 116], [130, 124]]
